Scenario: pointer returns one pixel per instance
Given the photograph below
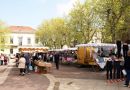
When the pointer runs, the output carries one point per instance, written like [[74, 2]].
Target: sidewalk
[[67, 78], [11, 80], [71, 78], [82, 84], [4, 71], [2, 68], [89, 84]]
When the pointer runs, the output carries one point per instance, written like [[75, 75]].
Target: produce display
[[43, 64]]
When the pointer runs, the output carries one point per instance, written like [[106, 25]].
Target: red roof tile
[[24, 29]]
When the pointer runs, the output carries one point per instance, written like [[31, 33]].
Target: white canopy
[[96, 45]]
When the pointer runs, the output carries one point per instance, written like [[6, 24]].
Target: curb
[[54, 83]]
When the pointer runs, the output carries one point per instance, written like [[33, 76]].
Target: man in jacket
[[57, 58], [27, 58]]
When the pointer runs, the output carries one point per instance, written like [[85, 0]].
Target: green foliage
[[112, 13], [110, 18], [4, 31], [54, 33], [82, 21]]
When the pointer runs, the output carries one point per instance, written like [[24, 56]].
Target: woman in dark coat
[[127, 68], [109, 66]]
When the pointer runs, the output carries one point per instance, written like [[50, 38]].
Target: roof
[[21, 29], [96, 45], [32, 49]]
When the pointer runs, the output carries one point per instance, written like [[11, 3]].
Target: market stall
[[69, 55], [33, 49], [87, 54], [42, 67]]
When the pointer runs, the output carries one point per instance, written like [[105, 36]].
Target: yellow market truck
[[87, 53]]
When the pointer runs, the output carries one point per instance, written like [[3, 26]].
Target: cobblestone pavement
[[2, 68], [11, 80], [28, 82], [69, 71], [66, 78], [73, 78]]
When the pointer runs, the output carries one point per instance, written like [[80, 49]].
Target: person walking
[[17, 59], [21, 65], [109, 67], [121, 59], [116, 69], [28, 62], [125, 49], [127, 68], [57, 58], [2, 59]]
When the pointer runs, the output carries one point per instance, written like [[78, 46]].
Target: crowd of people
[[3, 59], [26, 61], [118, 67], [114, 67]]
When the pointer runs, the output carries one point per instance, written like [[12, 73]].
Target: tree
[[112, 13], [4, 31], [125, 27], [54, 33], [103, 19], [83, 21]]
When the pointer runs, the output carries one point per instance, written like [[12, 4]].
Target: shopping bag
[[36, 69], [30, 67], [124, 72]]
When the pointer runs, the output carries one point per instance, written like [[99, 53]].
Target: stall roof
[[96, 45], [74, 48], [33, 49]]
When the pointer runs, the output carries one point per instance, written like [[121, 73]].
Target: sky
[[33, 12]]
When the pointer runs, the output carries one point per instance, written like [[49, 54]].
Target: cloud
[[65, 8]]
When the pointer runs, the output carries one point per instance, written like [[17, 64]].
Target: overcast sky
[[33, 12]]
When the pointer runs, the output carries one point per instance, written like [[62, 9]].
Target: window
[[11, 51], [11, 40], [20, 41], [2, 40], [29, 40]]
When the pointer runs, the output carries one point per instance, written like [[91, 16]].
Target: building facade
[[19, 36]]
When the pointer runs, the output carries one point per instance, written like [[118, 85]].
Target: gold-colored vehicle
[[87, 53]]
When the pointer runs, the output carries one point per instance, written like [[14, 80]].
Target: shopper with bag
[[127, 68], [21, 65]]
